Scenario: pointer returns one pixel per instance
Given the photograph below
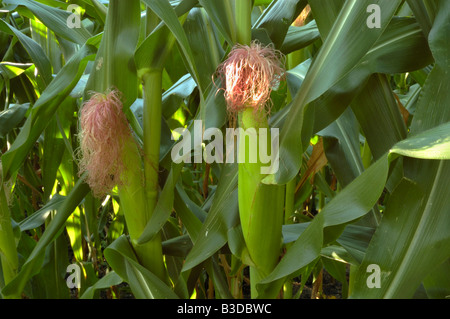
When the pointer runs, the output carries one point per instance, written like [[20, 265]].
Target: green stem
[[287, 289], [366, 155], [243, 10], [139, 196], [260, 205], [152, 86], [236, 280], [288, 212], [8, 251], [152, 135], [289, 205]]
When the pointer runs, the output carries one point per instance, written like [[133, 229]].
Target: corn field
[[224, 149]]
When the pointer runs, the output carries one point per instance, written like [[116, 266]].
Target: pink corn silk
[[250, 73], [104, 132]]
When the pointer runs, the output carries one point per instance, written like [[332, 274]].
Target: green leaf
[[299, 37], [172, 98], [163, 207], [420, 12], [54, 144], [206, 48], [377, 111], [292, 231], [214, 111], [143, 283], [34, 262], [391, 53], [11, 117], [405, 265], [54, 268], [190, 214], [39, 217], [325, 13], [44, 108], [278, 17], [236, 242], [417, 212], [153, 51], [433, 143], [35, 51], [178, 246], [55, 19], [352, 202], [355, 239], [110, 279], [437, 283], [341, 145], [164, 11], [336, 58], [222, 14], [222, 216], [114, 64]]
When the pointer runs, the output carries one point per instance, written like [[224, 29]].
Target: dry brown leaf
[[315, 163]]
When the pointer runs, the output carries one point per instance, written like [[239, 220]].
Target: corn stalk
[[260, 205]]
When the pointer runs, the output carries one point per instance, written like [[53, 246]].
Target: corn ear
[[133, 202], [260, 205]]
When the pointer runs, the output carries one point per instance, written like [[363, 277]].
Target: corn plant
[[115, 182]]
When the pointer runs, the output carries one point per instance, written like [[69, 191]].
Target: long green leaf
[[377, 111], [163, 206], [34, 262], [353, 202], [55, 19], [335, 59], [205, 45], [221, 13], [418, 210], [44, 108], [300, 37], [36, 52], [11, 117], [165, 12], [433, 143], [110, 279], [391, 53], [277, 18], [114, 64], [341, 145], [39, 217], [222, 216], [143, 283]]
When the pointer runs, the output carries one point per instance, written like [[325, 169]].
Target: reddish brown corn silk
[[250, 73], [104, 132]]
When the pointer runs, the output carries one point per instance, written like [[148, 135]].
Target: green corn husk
[[260, 205], [133, 202]]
